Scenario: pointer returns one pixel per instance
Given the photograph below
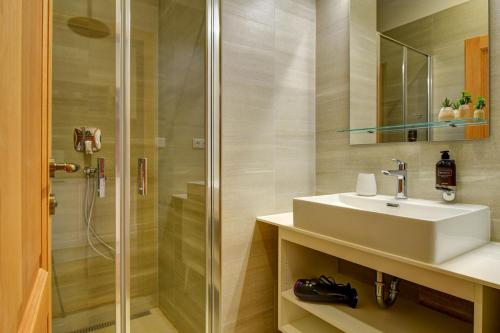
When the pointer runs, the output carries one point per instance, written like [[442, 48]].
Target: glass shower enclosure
[[135, 105], [404, 90]]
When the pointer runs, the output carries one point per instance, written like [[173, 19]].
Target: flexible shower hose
[[87, 215]]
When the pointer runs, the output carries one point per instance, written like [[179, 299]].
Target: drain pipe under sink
[[385, 299]]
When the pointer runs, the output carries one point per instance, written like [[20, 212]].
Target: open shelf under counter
[[309, 324], [367, 317], [480, 266], [473, 278]]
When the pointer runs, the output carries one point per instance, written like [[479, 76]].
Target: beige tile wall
[[338, 163], [268, 82], [363, 67]]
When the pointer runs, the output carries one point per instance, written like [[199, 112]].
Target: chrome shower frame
[[122, 167], [213, 169], [212, 160]]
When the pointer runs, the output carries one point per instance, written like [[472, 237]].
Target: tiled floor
[[156, 322]]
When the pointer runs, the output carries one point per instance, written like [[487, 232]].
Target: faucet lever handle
[[401, 164]]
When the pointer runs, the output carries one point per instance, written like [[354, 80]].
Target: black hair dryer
[[325, 290]]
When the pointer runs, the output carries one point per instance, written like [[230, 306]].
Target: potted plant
[[480, 105], [456, 109], [446, 112], [464, 110]]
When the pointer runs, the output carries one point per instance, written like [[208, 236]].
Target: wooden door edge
[[36, 313], [45, 260]]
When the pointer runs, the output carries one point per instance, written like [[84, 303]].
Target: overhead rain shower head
[[88, 26]]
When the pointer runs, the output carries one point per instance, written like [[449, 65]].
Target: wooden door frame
[[38, 311], [25, 279]]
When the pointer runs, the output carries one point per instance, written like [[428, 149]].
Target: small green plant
[[481, 103], [446, 103], [456, 105], [466, 98]]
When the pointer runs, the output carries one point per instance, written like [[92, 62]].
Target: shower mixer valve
[[87, 140], [101, 178]]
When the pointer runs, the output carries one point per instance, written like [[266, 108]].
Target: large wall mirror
[[419, 70]]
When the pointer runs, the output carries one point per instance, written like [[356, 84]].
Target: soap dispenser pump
[[446, 176]]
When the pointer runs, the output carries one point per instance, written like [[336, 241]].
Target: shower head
[[88, 26]]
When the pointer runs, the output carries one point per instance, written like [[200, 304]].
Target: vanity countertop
[[481, 265]]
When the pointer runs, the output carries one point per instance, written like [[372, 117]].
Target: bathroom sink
[[428, 231]]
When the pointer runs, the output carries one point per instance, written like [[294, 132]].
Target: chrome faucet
[[401, 173]]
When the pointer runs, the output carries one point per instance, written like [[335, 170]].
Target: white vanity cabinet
[[473, 277]]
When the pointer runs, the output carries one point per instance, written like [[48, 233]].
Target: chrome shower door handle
[[142, 175]]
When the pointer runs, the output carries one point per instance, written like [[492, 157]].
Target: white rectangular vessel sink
[[423, 230]]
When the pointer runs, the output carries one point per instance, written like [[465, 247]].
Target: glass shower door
[[391, 90], [83, 127], [130, 107], [417, 93], [403, 91], [167, 166]]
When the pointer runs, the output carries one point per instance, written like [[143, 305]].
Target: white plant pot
[[462, 112], [479, 114], [446, 114]]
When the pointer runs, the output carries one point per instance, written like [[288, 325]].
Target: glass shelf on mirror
[[433, 124]]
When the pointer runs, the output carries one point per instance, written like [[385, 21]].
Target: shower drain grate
[[108, 323]]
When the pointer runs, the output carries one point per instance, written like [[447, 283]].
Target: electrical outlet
[[198, 143]]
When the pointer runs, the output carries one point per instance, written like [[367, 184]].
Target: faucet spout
[[397, 173], [401, 174]]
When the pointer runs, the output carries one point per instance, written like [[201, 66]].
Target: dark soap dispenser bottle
[[446, 176]]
